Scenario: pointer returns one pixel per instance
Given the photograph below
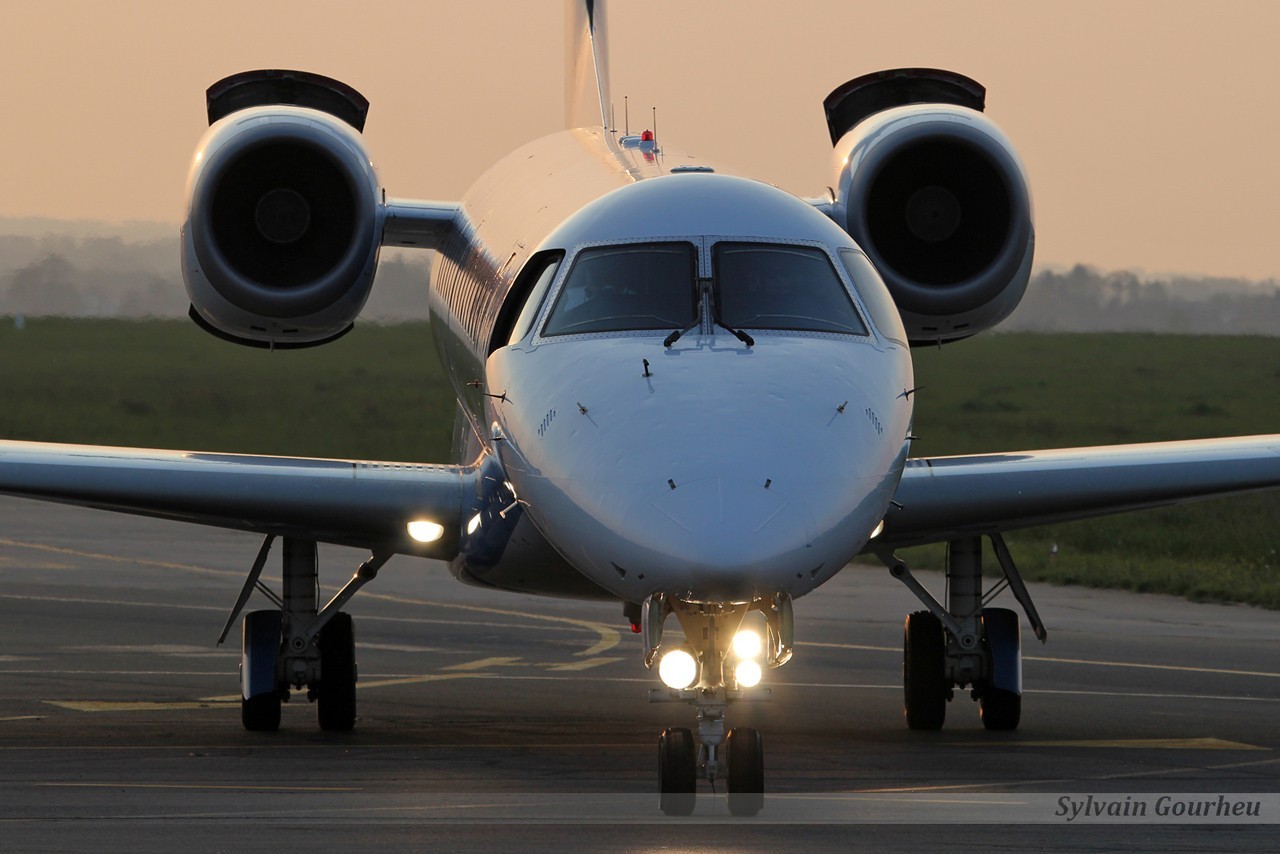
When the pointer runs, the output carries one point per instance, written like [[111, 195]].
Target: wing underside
[[368, 504], [946, 498], [348, 502]]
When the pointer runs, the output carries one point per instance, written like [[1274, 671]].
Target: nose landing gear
[[719, 667]]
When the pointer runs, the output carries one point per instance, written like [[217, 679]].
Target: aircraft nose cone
[[715, 505], [725, 536], [642, 482]]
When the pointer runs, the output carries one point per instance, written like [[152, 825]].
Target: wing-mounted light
[[934, 193]]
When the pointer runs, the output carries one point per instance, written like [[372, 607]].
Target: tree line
[[111, 277], [79, 276]]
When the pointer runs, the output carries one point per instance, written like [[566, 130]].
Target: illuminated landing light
[[747, 673], [473, 524], [747, 644], [424, 531], [677, 669], [878, 531]]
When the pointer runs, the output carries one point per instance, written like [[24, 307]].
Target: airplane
[[678, 389]]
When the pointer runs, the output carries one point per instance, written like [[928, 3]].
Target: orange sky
[[1149, 129]]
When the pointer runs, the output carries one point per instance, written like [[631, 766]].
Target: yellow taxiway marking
[[951, 787], [342, 747], [607, 637], [1085, 661], [377, 683], [414, 680], [129, 603], [224, 787], [858, 646], [1175, 667], [586, 664], [164, 564], [126, 706], [876, 795], [1148, 743], [483, 663]]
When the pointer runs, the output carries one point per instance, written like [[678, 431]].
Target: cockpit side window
[[875, 296], [775, 286], [526, 297], [628, 287]]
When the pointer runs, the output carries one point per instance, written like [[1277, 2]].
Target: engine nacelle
[[934, 193], [284, 220]]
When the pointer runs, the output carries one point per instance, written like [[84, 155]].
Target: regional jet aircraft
[[678, 389]]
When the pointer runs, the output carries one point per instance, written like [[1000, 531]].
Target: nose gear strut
[[736, 755]]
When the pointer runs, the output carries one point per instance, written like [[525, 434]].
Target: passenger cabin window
[[524, 301], [875, 296], [630, 287], [772, 286]]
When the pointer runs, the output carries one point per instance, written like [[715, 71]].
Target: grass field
[[379, 393], [1026, 391]]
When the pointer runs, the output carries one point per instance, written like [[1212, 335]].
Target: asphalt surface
[[490, 720]]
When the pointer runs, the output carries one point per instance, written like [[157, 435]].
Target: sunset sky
[[1150, 130]]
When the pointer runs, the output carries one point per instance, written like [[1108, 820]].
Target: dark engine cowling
[[935, 194], [284, 224]]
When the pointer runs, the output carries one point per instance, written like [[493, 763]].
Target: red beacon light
[[647, 136]]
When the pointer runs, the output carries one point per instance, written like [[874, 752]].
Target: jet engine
[[935, 195], [283, 224]]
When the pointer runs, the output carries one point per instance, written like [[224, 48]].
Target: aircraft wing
[[944, 498], [348, 502]]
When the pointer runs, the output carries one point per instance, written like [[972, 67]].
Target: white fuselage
[[717, 471]]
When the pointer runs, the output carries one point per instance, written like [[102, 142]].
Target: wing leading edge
[[347, 502], [945, 498]]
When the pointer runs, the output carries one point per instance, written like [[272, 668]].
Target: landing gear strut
[[298, 644], [720, 671], [965, 644]]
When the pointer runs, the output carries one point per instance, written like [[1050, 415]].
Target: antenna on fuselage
[[626, 115]]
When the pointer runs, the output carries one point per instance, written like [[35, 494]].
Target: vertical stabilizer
[[586, 67]]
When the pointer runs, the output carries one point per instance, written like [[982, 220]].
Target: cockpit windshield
[[639, 287], [777, 286], [629, 287]]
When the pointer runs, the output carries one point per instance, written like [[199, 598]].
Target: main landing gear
[[965, 644], [718, 664], [298, 644]]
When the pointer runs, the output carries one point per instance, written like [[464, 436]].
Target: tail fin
[[586, 67]]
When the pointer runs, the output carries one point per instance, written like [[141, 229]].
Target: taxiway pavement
[[489, 719]]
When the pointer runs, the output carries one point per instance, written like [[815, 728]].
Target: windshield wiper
[[737, 333], [675, 336], [704, 303]]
